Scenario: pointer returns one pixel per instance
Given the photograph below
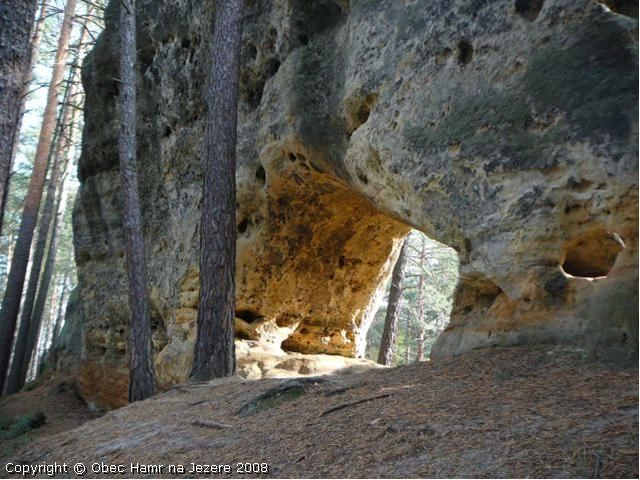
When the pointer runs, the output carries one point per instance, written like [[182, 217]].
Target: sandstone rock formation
[[505, 129]]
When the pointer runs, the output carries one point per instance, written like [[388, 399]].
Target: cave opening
[[592, 254], [424, 310]]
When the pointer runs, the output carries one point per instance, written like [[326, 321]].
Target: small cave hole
[[243, 225], [579, 186], [363, 114], [261, 175], [363, 178], [592, 254], [529, 9], [303, 38], [248, 315], [273, 65], [465, 52], [292, 156], [358, 112], [341, 261], [252, 51]]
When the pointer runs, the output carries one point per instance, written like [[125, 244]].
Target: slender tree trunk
[[422, 325], [388, 342], [27, 328], [142, 382], [407, 351], [34, 330], [15, 283], [215, 349], [16, 22], [26, 84], [58, 320], [16, 379]]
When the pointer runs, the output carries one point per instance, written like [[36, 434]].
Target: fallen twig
[[345, 405]]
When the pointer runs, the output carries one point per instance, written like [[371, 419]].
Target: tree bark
[[388, 342], [16, 22], [142, 382], [29, 325], [17, 273], [214, 354], [421, 323], [26, 83], [58, 320], [407, 351]]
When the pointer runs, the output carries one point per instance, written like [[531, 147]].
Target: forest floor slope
[[508, 412]]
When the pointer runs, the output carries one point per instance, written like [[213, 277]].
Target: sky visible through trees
[[88, 19]]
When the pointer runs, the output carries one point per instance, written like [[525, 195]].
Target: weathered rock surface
[[505, 129]]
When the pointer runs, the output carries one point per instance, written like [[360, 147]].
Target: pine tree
[[16, 22], [141, 372], [17, 273], [215, 349], [388, 343], [30, 324], [26, 84]]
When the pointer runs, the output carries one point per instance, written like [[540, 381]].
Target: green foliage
[[439, 271], [14, 428], [287, 392]]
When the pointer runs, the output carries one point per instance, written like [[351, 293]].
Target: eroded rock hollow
[[505, 129]]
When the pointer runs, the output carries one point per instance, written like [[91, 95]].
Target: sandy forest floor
[[512, 412]]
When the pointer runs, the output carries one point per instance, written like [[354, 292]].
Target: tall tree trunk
[[214, 354], [15, 283], [15, 379], [27, 328], [142, 382], [407, 351], [26, 84], [388, 342], [34, 330], [421, 323], [16, 22], [58, 319]]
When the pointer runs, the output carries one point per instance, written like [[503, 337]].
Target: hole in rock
[[529, 9], [592, 254], [252, 51], [304, 39], [358, 111], [248, 315], [243, 225], [273, 65], [465, 52], [261, 175], [426, 298]]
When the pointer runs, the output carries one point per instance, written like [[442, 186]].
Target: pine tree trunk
[[16, 22], [28, 328], [58, 320], [407, 352], [26, 84], [17, 273], [421, 323], [34, 330], [215, 349], [17, 370], [141, 371], [388, 342]]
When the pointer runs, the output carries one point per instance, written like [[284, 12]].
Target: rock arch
[[503, 135]]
